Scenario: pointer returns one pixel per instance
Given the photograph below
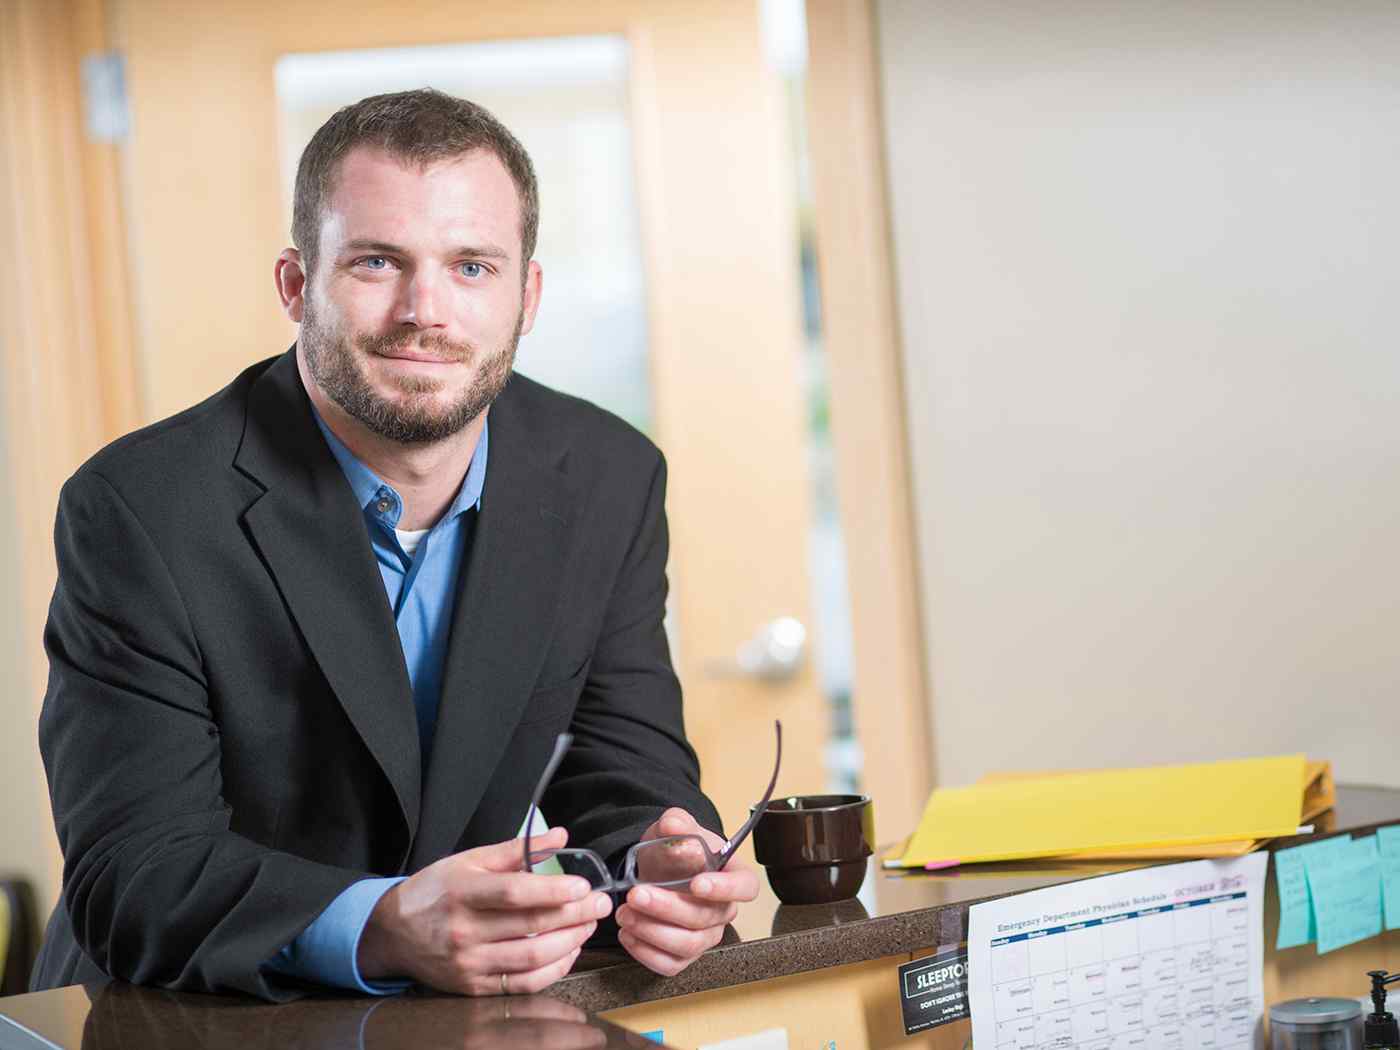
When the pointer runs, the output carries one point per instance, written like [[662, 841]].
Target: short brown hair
[[417, 127]]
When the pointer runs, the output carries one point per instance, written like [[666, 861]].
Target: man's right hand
[[460, 923]]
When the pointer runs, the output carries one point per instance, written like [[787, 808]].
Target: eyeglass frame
[[714, 861]]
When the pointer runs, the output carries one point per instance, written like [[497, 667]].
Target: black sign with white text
[[933, 991]]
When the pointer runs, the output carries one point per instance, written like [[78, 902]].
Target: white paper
[[1169, 957], [769, 1039]]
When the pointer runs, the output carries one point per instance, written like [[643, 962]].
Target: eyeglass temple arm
[[757, 814], [561, 747]]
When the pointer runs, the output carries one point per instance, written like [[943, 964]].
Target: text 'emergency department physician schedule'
[[1168, 958]]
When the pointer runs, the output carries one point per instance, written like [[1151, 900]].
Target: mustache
[[434, 343]]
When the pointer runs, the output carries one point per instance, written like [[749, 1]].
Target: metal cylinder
[[1315, 1024]]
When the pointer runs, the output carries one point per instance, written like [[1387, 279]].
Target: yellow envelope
[[1319, 795], [1112, 811]]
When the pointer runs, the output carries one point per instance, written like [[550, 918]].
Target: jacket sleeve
[[630, 759], [157, 887]]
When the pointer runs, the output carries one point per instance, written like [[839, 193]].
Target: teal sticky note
[[1296, 924], [1346, 896], [1369, 845], [1390, 891], [1388, 839], [1294, 904]]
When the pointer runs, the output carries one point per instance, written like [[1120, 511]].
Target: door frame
[[855, 253]]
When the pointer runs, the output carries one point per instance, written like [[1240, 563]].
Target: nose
[[420, 305]]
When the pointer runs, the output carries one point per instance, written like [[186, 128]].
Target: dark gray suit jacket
[[229, 730]]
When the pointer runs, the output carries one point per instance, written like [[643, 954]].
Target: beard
[[415, 417]]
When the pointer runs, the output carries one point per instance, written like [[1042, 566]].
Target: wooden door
[[716, 220]]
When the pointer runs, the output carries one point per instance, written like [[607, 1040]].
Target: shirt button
[[383, 506]]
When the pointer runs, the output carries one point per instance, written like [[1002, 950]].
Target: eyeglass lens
[[582, 862], [675, 858]]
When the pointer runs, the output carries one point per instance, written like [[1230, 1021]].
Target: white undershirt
[[409, 539]]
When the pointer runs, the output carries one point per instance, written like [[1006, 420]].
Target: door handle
[[774, 654]]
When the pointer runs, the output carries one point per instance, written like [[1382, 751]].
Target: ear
[[291, 283], [530, 301]]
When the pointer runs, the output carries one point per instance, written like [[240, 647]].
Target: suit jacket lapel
[[313, 538], [507, 599]]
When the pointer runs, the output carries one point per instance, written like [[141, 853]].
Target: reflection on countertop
[[118, 1015]]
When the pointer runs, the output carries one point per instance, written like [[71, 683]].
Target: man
[[263, 773]]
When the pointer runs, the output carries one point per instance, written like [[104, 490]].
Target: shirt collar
[[368, 486]]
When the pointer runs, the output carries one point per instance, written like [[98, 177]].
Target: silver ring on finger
[[505, 988]]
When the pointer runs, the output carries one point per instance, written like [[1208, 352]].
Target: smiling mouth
[[422, 359]]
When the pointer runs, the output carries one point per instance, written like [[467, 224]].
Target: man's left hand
[[666, 930]]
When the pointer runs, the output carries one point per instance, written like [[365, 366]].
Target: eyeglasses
[[668, 862]]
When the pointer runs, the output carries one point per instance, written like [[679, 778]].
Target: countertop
[[897, 913]]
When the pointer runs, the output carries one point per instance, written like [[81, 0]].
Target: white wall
[[1148, 270]]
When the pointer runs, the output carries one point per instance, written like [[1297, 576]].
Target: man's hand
[[459, 924], [666, 930]]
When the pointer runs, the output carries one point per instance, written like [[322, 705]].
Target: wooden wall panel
[[65, 340]]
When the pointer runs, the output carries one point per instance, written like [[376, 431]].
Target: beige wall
[[1148, 279]]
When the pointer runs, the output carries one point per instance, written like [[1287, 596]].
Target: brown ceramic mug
[[815, 848]]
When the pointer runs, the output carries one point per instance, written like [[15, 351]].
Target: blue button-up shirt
[[421, 585], [420, 572]]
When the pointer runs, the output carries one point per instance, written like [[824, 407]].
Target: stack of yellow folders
[[1210, 809]]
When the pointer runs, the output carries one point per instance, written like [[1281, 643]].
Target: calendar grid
[[1171, 977]]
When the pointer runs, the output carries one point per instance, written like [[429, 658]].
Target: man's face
[[412, 315]]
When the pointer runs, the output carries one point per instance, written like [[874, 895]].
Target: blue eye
[[376, 262], [473, 269]]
